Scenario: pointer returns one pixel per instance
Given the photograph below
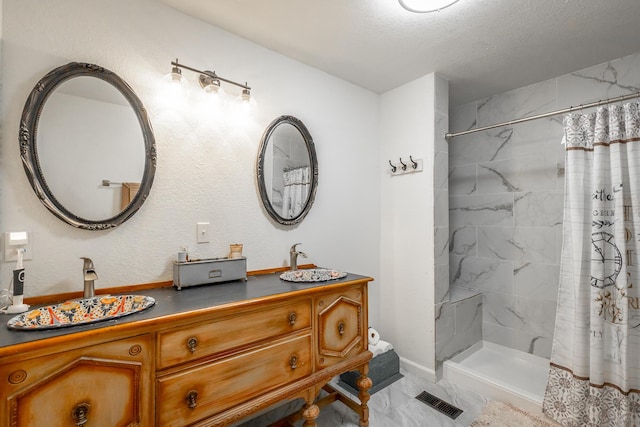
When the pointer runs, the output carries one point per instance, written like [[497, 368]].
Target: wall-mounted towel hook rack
[[403, 168]]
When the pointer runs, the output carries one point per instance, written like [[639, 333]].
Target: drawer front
[[185, 397], [240, 329], [342, 326]]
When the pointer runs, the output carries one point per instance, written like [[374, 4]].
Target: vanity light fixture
[[210, 82], [426, 6]]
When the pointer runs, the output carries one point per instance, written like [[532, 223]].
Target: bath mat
[[500, 414]]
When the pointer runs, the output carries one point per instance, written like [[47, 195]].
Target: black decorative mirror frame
[[313, 169], [29, 148]]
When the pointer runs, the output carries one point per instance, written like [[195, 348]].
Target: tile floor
[[393, 406]]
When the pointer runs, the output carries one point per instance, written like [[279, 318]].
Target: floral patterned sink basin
[[80, 312], [312, 275]]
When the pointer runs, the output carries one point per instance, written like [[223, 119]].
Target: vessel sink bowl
[[312, 275], [80, 312]]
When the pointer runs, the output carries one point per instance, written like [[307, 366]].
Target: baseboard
[[418, 370]]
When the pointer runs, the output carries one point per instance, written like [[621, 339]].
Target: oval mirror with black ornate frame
[[87, 146], [287, 170]]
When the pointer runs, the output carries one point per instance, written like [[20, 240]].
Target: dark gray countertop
[[170, 302]]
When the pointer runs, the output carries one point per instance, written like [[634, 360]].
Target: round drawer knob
[[292, 318], [293, 361], [192, 344], [192, 399], [341, 328], [80, 413]]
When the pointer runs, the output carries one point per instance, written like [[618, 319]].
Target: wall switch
[[14, 240], [202, 231]]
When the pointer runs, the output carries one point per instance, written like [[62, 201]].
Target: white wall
[[407, 223], [206, 163]]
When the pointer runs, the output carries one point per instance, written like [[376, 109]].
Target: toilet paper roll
[[374, 336], [380, 347]]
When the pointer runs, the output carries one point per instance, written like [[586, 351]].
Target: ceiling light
[[425, 6]]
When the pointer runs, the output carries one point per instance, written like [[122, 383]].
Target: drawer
[[202, 391], [209, 337], [341, 326]]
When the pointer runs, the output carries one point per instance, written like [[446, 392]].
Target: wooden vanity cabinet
[[103, 385], [211, 365]]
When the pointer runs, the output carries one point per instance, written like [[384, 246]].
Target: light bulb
[[425, 6], [174, 83], [214, 97], [174, 89], [210, 83], [214, 89], [245, 96], [245, 103]]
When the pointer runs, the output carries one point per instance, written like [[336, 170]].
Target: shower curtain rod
[[448, 136]]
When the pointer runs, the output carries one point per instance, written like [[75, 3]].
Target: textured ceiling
[[483, 47]]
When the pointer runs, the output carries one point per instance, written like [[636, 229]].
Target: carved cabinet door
[[102, 385], [341, 325]]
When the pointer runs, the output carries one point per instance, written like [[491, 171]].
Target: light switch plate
[[202, 231]]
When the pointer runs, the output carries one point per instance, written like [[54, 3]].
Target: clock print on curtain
[[594, 376]]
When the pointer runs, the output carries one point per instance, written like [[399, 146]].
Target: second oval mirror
[[287, 170]]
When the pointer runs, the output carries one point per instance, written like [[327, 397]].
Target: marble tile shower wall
[[443, 324], [506, 192]]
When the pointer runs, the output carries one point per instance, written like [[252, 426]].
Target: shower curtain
[[594, 376], [296, 191]]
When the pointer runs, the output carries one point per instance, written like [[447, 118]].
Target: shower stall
[[494, 327]]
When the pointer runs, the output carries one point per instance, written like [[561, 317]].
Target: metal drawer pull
[[192, 344], [293, 361], [292, 318], [80, 413], [192, 399], [341, 328]]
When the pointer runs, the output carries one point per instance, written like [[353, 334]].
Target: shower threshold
[[500, 373]]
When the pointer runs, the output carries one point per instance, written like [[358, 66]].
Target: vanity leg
[[310, 413], [364, 383]]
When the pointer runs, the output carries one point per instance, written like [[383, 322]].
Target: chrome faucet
[[90, 275], [293, 256]]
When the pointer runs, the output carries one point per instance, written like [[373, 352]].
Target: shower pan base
[[500, 373]]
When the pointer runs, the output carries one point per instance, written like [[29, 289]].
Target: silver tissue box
[[206, 271]]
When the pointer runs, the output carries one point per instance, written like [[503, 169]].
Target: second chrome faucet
[[293, 256]]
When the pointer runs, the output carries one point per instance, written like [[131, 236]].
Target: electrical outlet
[[202, 232], [15, 240]]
